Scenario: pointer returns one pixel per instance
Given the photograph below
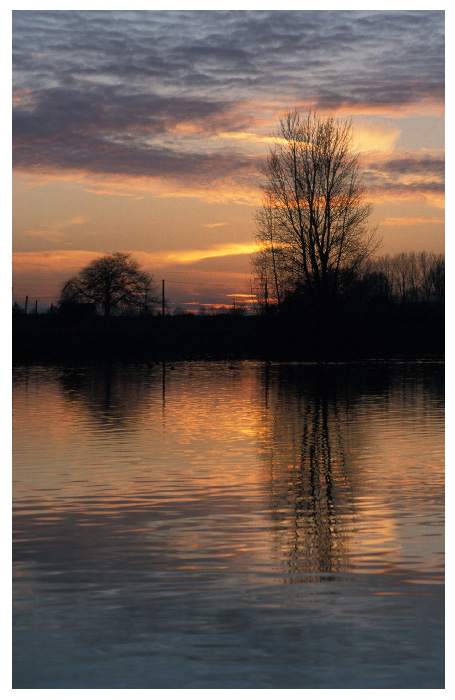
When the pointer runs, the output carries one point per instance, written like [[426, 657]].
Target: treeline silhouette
[[405, 277], [395, 309]]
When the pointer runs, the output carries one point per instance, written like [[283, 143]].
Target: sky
[[146, 131]]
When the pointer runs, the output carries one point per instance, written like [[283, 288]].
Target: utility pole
[[26, 304], [162, 298], [36, 306]]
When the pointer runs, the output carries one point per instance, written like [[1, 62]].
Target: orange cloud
[[389, 195], [140, 187], [57, 230], [411, 220], [20, 95], [369, 137], [67, 261], [47, 257], [242, 296], [184, 257], [427, 106]]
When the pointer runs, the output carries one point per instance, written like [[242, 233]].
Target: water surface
[[208, 525]]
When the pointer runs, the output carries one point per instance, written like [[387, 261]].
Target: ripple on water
[[272, 526]]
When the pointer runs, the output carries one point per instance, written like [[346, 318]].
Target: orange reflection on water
[[311, 471]]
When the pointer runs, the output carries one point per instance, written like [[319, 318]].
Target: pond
[[217, 525]]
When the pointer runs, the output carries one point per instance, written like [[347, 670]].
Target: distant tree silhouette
[[239, 309], [113, 283], [405, 277], [313, 226], [17, 309], [179, 311]]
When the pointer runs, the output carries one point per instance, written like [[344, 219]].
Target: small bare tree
[[313, 226], [112, 283], [270, 261], [406, 277]]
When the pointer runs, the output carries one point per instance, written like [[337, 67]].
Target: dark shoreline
[[403, 331]]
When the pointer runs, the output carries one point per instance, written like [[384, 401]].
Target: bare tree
[[270, 262], [437, 276], [313, 226], [112, 283], [407, 276]]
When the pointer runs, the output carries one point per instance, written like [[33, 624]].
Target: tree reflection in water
[[306, 451], [116, 396]]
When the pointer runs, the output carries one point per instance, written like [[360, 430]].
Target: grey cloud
[[97, 157], [102, 137], [271, 47], [103, 76], [384, 176], [107, 129], [418, 188], [412, 165], [106, 108]]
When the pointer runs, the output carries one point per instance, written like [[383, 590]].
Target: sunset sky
[[145, 131]]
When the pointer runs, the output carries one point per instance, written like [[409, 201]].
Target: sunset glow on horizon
[[146, 131]]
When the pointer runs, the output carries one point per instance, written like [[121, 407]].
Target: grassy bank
[[382, 332]]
